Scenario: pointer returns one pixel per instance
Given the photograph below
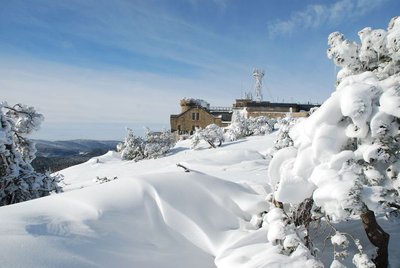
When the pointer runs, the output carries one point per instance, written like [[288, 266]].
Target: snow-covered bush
[[154, 145], [101, 180], [345, 155], [132, 148], [284, 124], [261, 125], [287, 236], [212, 134], [18, 181], [158, 143], [241, 126]]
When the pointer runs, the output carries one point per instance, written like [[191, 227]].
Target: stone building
[[197, 113]]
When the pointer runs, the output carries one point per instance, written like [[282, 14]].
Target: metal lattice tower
[[258, 75]]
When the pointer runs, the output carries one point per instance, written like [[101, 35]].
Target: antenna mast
[[258, 75]]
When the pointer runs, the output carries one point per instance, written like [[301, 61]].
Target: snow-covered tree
[[132, 148], [18, 180], [378, 51], [154, 145], [241, 126], [284, 124], [158, 143], [346, 155], [261, 125], [212, 134]]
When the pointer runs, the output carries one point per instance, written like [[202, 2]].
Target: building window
[[195, 116]]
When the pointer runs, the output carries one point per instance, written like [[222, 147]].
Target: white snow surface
[[153, 215], [156, 215]]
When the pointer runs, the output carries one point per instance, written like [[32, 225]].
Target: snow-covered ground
[[154, 214]]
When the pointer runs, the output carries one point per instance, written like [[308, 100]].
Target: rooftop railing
[[220, 109]]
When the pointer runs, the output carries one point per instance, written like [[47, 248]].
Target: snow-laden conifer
[[154, 145], [132, 148], [261, 125], [239, 127], [18, 180], [212, 134], [378, 51], [158, 143], [346, 154], [284, 124], [242, 126]]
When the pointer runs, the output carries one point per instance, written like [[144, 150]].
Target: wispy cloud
[[66, 93], [134, 28], [315, 16]]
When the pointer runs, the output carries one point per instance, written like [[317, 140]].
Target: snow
[[236, 205], [337, 264], [198, 102], [362, 261], [293, 189], [153, 214], [345, 155], [340, 240], [390, 100], [319, 154], [281, 159]]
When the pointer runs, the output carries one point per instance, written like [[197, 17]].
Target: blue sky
[[93, 67]]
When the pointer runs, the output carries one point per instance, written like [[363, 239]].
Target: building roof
[[224, 115], [242, 103]]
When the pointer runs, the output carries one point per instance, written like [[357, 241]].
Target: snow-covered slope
[[153, 215]]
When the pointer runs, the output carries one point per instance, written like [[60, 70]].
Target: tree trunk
[[211, 143], [378, 237], [277, 203], [303, 217]]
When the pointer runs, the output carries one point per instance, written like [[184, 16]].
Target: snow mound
[[187, 216], [153, 214]]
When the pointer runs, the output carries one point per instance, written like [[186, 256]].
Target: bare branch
[[182, 166]]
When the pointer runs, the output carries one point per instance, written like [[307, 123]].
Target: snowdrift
[[153, 215], [156, 215]]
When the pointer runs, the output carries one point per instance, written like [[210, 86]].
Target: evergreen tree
[[285, 124], [132, 148], [212, 134], [154, 145], [241, 126], [158, 143], [346, 155], [18, 181]]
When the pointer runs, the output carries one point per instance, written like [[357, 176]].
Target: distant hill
[[56, 155], [72, 147]]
